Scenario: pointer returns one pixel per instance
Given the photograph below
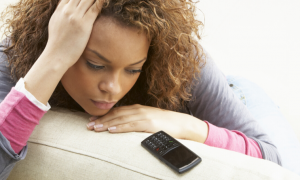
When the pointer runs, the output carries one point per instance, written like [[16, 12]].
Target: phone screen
[[180, 156]]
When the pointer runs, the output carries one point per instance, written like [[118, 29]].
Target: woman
[[132, 65]]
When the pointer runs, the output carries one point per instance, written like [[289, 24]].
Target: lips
[[103, 104]]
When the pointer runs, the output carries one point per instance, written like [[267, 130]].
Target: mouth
[[103, 104]]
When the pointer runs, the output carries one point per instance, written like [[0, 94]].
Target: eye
[[97, 68], [134, 71], [94, 67]]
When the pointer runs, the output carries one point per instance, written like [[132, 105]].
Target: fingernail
[[98, 126], [93, 118], [90, 124], [112, 128]]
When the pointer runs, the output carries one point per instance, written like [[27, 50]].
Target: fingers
[[61, 3], [119, 117], [89, 8], [119, 111], [134, 126], [95, 9], [102, 124], [84, 5], [74, 3], [121, 124]]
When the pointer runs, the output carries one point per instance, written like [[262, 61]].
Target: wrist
[[196, 130], [59, 62], [43, 77]]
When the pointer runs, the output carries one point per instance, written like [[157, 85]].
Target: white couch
[[62, 148]]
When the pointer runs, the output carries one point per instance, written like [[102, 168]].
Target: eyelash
[[97, 68]]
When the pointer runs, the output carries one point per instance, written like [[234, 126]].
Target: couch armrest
[[62, 148]]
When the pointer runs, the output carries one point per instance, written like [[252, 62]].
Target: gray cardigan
[[213, 101]]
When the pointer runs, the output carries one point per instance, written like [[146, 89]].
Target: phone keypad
[[161, 142]]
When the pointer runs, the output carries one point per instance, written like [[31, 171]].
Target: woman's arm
[[19, 114], [18, 118], [209, 134], [215, 102], [24, 106]]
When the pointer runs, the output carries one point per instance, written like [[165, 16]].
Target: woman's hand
[[139, 118], [70, 28]]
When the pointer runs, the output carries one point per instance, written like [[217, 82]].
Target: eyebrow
[[108, 61]]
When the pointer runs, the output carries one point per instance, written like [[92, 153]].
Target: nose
[[110, 83]]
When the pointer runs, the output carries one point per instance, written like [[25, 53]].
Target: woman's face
[[108, 67]]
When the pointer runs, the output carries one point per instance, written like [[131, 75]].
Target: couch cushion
[[62, 148]]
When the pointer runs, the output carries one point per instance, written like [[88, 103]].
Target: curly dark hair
[[174, 56]]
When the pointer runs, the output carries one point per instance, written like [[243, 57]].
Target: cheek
[[76, 80], [128, 83]]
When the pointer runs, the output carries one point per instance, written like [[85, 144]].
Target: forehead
[[117, 42]]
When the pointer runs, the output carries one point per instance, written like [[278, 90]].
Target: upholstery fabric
[[62, 148]]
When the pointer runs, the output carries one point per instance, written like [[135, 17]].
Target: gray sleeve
[[216, 103], [8, 157]]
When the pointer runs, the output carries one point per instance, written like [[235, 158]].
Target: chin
[[98, 112]]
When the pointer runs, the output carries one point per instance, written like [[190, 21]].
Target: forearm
[[196, 129], [43, 77], [203, 132], [232, 140], [19, 116]]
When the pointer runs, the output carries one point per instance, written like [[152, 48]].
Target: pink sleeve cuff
[[18, 118], [232, 140], [20, 86]]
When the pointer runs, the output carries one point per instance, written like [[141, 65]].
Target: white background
[[259, 40]]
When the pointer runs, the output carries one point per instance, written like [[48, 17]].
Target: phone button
[[161, 152]]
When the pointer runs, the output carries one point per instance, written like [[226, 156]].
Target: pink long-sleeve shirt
[[21, 112]]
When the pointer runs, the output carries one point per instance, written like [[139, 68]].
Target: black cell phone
[[171, 152]]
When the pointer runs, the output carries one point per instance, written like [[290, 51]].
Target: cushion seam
[[40, 143]]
